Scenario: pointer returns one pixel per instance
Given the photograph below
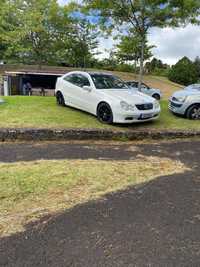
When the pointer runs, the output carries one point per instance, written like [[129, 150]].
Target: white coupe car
[[106, 97]]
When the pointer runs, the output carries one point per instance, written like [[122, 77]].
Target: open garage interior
[[41, 83]]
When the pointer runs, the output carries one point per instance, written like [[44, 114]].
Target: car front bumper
[[177, 107], [132, 117]]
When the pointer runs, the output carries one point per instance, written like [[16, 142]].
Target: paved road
[[157, 224]]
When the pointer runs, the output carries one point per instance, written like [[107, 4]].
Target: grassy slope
[[19, 111]]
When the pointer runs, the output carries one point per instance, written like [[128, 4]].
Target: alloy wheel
[[105, 113]]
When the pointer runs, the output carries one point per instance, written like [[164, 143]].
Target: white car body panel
[[80, 98]]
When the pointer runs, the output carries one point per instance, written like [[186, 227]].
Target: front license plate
[[146, 116]]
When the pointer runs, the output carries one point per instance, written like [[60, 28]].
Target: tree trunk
[[141, 63], [135, 65]]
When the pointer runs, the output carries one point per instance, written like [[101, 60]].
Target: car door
[[88, 96], [69, 89], [74, 94]]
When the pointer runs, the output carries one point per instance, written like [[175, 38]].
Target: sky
[[171, 44]]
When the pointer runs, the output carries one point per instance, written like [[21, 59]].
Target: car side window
[[78, 80], [133, 84], [69, 78]]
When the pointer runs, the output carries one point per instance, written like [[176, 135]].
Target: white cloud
[[63, 2], [173, 44]]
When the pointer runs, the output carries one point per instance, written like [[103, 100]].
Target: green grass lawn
[[42, 112]]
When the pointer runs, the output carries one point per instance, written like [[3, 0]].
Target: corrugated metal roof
[[34, 73]]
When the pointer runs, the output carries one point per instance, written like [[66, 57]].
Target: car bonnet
[[130, 96]]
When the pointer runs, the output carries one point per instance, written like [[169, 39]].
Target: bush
[[125, 68], [183, 72], [161, 72]]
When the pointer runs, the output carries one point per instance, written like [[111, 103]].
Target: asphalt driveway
[[154, 224]]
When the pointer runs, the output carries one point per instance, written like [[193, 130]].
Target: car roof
[[90, 72]]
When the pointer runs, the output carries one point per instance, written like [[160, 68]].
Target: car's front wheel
[[104, 113], [156, 96], [193, 112], [60, 99]]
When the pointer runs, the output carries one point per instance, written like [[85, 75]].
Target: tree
[[31, 35], [43, 32], [141, 15], [183, 72], [129, 49], [84, 44], [155, 64], [197, 65]]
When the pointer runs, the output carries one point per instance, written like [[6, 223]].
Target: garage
[[41, 82]]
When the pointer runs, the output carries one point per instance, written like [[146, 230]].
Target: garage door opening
[[40, 83]]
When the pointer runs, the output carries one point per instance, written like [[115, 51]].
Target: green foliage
[[184, 72], [157, 67], [197, 65], [129, 48], [125, 68], [43, 32], [161, 72]]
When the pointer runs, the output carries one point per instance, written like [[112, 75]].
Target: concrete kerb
[[25, 134]]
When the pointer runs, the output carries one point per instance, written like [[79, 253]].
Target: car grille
[[147, 106], [175, 105], [174, 99]]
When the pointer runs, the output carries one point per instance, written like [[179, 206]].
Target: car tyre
[[104, 113], [156, 96], [60, 99], [193, 113]]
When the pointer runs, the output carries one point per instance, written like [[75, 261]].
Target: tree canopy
[[129, 48], [42, 31], [184, 72]]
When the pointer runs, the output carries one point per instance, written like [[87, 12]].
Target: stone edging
[[26, 134]]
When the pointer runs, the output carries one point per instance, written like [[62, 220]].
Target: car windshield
[[193, 87], [103, 81]]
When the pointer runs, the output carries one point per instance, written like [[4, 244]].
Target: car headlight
[[156, 105], [124, 105], [180, 99]]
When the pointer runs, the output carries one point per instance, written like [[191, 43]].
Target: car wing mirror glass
[[87, 88]]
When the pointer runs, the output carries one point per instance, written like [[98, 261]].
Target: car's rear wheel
[[156, 96], [193, 112], [60, 99], [104, 113]]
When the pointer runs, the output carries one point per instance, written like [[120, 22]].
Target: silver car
[[186, 102], [145, 89]]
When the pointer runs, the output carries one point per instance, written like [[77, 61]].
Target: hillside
[[162, 83]]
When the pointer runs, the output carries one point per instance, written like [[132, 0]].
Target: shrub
[[125, 68], [183, 72]]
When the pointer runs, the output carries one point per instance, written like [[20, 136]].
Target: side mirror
[[87, 88]]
